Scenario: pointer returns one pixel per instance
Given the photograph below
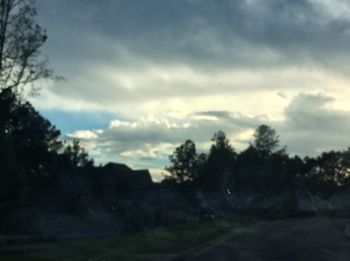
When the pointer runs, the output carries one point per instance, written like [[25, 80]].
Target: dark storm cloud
[[89, 41], [311, 127], [203, 33]]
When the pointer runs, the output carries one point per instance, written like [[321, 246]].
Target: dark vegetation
[[50, 186], [264, 168], [262, 171]]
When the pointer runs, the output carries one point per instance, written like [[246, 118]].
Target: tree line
[[31, 148], [264, 167]]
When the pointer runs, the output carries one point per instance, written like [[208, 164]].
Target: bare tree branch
[[20, 41]]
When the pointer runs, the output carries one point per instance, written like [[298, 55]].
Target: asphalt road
[[313, 239]]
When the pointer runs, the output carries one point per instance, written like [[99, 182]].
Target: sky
[[141, 77]]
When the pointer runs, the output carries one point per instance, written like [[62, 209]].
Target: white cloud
[[309, 125], [83, 135]]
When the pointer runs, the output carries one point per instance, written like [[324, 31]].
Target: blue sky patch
[[68, 122]]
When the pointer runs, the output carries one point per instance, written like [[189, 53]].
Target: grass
[[135, 246]]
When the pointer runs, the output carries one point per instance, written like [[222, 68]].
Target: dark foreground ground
[[309, 239], [312, 239], [157, 244]]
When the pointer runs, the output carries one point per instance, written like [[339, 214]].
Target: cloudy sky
[[141, 77]]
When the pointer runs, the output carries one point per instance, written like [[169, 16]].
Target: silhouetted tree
[[74, 155], [20, 65], [327, 174], [261, 167], [33, 139], [184, 162], [8, 174], [6, 153], [29, 145], [218, 167], [21, 38], [343, 176], [266, 139], [250, 169], [31, 151]]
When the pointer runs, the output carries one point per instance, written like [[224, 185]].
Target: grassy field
[[148, 245]]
